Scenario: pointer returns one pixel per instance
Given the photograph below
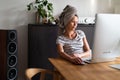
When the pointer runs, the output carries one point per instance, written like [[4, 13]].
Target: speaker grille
[[12, 55], [12, 61], [12, 73], [12, 35], [8, 55], [12, 47]]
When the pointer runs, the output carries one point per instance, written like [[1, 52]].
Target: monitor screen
[[106, 44]]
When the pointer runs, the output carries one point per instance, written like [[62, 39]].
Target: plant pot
[[40, 20], [44, 20]]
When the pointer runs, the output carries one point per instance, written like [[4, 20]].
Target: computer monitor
[[106, 44]]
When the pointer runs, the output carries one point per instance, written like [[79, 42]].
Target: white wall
[[14, 15], [117, 6], [86, 8]]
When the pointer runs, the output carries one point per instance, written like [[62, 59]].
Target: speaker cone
[[12, 47], [12, 35], [12, 73], [12, 61]]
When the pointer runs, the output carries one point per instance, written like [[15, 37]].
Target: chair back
[[30, 72]]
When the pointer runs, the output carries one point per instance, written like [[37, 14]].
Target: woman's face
[[72, 25]]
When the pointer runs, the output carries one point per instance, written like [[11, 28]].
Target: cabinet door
[[41, 45]]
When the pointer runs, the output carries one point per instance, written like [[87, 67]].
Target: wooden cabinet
[[42, 43]]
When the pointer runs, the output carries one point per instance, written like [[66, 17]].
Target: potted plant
[[44, 10]]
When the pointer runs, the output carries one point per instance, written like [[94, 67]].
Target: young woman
[[71, 43]]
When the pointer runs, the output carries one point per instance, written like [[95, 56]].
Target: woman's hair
[[65, 17]]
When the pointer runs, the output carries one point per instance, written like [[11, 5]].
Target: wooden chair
[[31, 72]]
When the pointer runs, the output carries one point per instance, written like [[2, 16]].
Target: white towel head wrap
[[67, 15]]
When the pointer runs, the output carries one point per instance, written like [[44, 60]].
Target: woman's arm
[[87, 50], [73, 59]]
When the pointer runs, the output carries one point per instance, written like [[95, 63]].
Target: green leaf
[[44, 8], [28, 7], [36, 1], [49, 6]]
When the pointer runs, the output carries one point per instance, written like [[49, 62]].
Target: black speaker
[[8, 55]]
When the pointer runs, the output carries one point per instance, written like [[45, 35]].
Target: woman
[[71, 43]]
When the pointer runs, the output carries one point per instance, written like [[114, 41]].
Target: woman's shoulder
[[61, 37], [61, 40], [80, 32]]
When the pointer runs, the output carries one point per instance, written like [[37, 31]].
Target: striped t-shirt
[[72, 46]]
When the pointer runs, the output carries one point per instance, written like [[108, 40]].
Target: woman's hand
[[76, 60]]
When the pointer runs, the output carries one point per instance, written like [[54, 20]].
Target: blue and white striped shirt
[[72, 46]]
